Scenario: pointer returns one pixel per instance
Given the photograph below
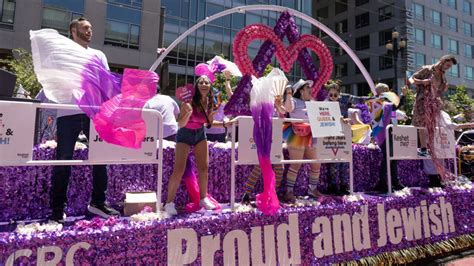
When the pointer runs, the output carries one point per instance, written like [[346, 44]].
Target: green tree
[[22, 65], [460, 103], [408, 106]]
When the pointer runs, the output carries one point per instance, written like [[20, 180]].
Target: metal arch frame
[[243, 9]]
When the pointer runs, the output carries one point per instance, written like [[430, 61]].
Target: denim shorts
[[191, 136]]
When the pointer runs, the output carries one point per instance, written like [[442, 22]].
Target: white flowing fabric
[[58, 63], [230, 66]]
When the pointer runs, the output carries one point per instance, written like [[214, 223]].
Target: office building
[[127, 31], [427, 28]]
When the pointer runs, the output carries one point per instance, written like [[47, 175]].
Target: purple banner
[[333, 231]]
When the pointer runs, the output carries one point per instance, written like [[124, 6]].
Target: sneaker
[[314, 193], [245, 199], [423, 152], [289, 197], [170, 209], [57, 216], [102, 210], [207, 204]]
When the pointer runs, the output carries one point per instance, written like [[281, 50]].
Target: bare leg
[[202, 160], [180, 159]]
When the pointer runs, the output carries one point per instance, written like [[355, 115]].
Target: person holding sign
[[338, 184], [299, 139], [193, 117]]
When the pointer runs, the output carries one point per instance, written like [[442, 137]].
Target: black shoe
[[57, 216], [246, 199], [102, 210], [423, 152], [435, 181], [397, 186]]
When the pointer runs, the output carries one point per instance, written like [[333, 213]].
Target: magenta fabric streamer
[[118, 120], [267, 201], [190, 180]]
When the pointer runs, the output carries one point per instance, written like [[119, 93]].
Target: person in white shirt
[[169, 110], [70, 123]]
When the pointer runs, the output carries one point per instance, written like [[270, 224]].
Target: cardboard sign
[[405, 141], [444, 143], [335, 147], [248, 149], [324, 118], [17, 127], [100, 150], [185, 93]]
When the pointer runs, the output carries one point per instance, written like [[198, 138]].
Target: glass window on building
[[366, 63], [362, 20], [454, 71], [420, 36], [468, 72], [363, 42], [58, 14], [339, 50], [436, 41], [452, 23], [341, 27], [436, 18], [467, 28], [419, 11], [466, 7], [361, 2], [452, 4], [385, 62], [322, 13], [341, 6], [7, 13], [453, 46], [385, 12], [385, 36], [122, 27], [420, 60], [341, 70], [468, 50]]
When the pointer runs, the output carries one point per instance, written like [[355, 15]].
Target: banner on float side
[[248, 149], [335, 147], [305, 236], [17, 127], [324, 118], [405, 141], [445, 143], [100, 150]]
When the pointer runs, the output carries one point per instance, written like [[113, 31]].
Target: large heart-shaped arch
[[285, 56]]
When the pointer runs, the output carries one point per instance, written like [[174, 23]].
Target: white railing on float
[[235, 162], [158, 161], [397, 157]]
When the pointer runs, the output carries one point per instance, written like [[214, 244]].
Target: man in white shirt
[[70, 123], [169, 110]]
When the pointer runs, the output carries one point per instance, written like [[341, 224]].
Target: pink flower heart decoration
[[285, 56]]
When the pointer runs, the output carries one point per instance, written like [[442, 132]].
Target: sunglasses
[[333, 95]]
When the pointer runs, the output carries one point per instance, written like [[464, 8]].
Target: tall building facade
[[127, 31], [215, 38], [428, 29]]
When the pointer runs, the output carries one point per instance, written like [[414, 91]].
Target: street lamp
[[394, 46]]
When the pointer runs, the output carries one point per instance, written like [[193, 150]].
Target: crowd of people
[[192, 124]]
